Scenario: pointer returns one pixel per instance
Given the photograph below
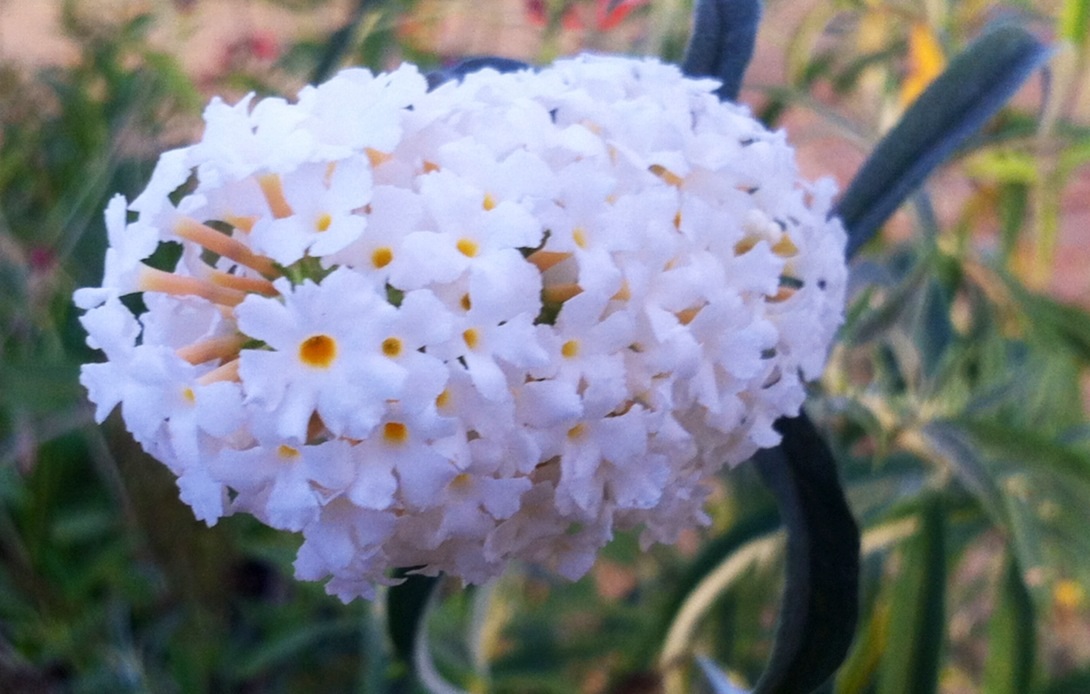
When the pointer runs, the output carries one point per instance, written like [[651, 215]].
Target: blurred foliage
[[954, 401]]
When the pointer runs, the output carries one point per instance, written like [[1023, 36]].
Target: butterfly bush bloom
[[450, 328]]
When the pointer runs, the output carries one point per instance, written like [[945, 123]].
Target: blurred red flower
[[575, 16]]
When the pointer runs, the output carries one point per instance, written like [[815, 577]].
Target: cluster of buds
[[450, 328]]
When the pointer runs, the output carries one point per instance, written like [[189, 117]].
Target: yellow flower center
[[468, 247], [318, 351], [287, 452], [323, 222], [395, 432], [785, 247], [580, 237], [391, 346], [461, 481], [381, 257], [471, 337], [443, 399], [570, 349]]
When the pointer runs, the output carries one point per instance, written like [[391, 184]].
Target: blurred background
[[955, 400]]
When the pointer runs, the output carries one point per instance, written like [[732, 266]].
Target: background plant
[[953, 404]]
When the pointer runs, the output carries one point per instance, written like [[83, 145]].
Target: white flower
[[447, 330], [322, 356], [356, 111], [283, 485], [129, 245], [316, 223]]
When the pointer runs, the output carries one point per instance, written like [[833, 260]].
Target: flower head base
[[447, 329]]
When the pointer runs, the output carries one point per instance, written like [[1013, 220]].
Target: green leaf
[[406, 604], [858, 670], [1074, 21], [821, 592], [340, 43], [933, 332], [724, 33], [711, 557], [1003, 166], [974, 86], [1013, 209], [1028, 449], [756, 553], [895, 305], [465, 67], [716, 678], [917, 622], [39, 387], [1074, 683], [281, 648], [1012, 638], [955, 448], [1070, 324]]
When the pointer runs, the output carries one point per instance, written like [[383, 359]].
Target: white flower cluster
[[447, 329]]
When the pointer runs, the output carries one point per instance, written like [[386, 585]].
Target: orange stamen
[[686, 316], [250, 285], [377, 158], [623, 294], [224, 245], [546, 259], [783, 294], [226, 372], [241, 223], [221, 347], [666, 175], [152, 280], [274, 195], [559, 293]]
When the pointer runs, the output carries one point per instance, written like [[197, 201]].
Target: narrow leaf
[[405, 607], [1074, 21], [955, 448], [463, 68], [758, 553], [339, 44], [1076, 683], [1012, 639], [1069, 324], [917, 611], [974, 86], [40, 386], [1028, 449], [297, 641], [724, 33], [716, 678], [858, 670], [707, 562], [821, 591], [933, 329]]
